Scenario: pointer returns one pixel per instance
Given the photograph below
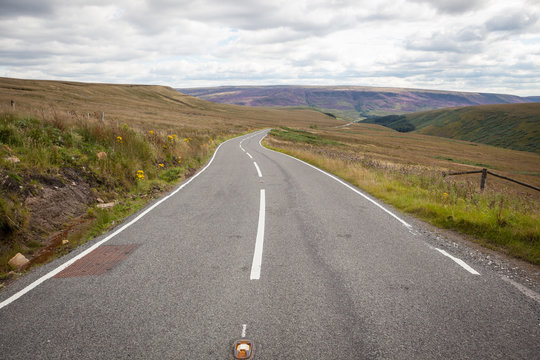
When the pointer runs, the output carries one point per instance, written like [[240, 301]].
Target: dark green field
[[512, 126]]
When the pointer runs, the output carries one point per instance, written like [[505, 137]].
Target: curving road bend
[[261, 246]]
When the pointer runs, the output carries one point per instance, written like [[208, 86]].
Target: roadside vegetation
[[503, 217], [109, 170]]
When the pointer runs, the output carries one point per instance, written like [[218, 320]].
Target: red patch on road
[[102, 259]]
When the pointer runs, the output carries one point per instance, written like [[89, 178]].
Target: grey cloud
[[42, 8], [453, 6], [512, 21], [249, 16], [471, 34], [14, 8], [464, 41]]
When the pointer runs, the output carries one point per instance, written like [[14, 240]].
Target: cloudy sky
[[470, 45]]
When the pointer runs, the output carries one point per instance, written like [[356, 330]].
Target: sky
[[463, 45]]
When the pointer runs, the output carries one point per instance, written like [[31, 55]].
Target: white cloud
[[477, 45]]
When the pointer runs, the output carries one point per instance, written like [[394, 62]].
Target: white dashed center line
[[257, 254], [258, 170]]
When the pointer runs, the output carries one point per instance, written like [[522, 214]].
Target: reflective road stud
[[243, 349]]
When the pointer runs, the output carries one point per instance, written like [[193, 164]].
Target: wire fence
[[485, 173]]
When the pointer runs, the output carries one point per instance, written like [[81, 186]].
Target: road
[[261, 246]]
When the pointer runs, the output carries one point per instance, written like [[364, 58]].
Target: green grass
[[301, 136]]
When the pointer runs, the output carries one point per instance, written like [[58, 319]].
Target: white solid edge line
[[52, 273], [460, 262], [406, 224], [244, 326], [525, 290], [257, 254], [258, 170], [248, 154]]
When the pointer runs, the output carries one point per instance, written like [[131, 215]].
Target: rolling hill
[[349, 102], [146, 105], [513, 126]]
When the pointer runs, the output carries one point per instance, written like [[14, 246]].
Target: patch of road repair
[[102, 259]]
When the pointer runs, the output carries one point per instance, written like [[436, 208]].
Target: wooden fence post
[[484, 173], [483, 179]]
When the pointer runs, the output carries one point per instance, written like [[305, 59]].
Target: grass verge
[[55, 171]]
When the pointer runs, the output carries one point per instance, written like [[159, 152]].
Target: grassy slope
[[349, 102], [152, 136], [513, 126], [144, 105], [405, 170]]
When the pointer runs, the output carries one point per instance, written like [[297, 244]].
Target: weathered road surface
[[307, 269]]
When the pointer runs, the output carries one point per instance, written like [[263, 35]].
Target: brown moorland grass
[[405, 170], [146, 106]]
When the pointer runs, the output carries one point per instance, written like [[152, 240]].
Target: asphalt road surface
[[264, 247]]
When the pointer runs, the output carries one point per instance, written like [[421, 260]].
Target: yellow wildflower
[[151, 132], [119, 139], [161, 165], [140, 175]]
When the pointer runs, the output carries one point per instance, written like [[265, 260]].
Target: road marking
[[52, 273], [406, 224], [247, 138], [257, 254], [258, 170], [460, 262], [525, 290], [244, 326], [248, 154]]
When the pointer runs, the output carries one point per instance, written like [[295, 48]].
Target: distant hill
[[513, 126], [349, 102]]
